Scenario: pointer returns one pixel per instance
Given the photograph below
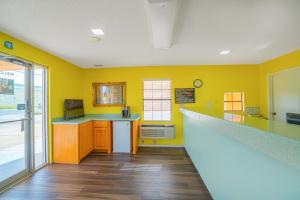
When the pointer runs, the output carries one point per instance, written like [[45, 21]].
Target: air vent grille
[[157, 131]]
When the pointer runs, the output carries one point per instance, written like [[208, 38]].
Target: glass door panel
[[14, 120], [12, 149], [39, 119]]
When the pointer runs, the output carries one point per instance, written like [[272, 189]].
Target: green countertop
[[276, 139], [276, 127], [238, 157], [91, 117]]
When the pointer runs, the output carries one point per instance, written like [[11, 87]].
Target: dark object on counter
[[293, 118], [125, 111], [73, 108]]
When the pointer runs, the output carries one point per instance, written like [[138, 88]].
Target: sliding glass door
[[22, 119], [39, 116], [15, 119]]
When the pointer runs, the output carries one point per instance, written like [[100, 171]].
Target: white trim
[[46, 116]]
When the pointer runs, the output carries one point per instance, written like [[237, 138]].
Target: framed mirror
[[109, 94]]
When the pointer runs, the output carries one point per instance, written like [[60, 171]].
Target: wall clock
[[197, 83]]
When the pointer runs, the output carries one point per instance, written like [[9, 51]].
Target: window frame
[[157, 79], [232, 101]]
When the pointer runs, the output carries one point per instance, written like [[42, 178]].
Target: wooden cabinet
[[101, 124], [85, 139], [102, 136], [72, 142], [65, 143], [135, 136]]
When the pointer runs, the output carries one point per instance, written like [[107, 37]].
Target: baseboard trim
[[157, 145]]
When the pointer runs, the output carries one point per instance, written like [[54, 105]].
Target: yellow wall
[[216, 81], [277, 64], [68, 81], [64, 79]]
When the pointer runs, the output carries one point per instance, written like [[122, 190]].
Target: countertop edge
[[81, 121]]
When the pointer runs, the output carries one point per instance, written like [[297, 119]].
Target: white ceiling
[[254, 30]]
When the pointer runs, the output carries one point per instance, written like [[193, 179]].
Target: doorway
[[23, 133], [284, 93]]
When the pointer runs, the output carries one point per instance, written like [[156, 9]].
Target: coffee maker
[[125, 111]]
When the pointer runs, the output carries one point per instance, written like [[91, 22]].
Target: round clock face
[[197, 83]]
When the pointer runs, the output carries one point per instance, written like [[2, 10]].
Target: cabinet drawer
[[86, 124], [101, 124]]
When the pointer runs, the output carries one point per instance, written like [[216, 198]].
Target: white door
[[286, 93]]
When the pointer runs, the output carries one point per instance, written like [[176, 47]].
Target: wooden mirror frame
[[97, 85]]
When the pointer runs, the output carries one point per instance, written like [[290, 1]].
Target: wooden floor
[[154, 173]]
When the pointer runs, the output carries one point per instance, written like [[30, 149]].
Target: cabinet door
[[101, 138], [85, 139], [65, 143], [89, 138]]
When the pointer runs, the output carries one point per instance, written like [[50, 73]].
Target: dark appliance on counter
[[73, 108], [125, 111], [293, 118]]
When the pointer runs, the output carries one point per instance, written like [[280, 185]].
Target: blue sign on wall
[[8, 44]]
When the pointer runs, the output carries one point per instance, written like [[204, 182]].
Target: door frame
[[270, 83], [29, 126], [27, 118], [45, 117]]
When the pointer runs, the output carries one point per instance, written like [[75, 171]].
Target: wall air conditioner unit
[[156, 131]]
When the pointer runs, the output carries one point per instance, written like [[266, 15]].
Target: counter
[[241, 157], [275, 127], [99, 117], [74, 139]]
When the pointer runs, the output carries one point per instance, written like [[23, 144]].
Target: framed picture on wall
[[184, 95], [109, 94]]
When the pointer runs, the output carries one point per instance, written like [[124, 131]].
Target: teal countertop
[[242, 157], [291, 131], [277, 139], [91, 117]]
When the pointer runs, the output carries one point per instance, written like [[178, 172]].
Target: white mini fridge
[[121, 136]]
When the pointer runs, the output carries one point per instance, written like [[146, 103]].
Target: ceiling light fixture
[[224, 52], [97, 31]]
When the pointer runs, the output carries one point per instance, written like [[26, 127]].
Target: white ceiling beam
[[162, 16]]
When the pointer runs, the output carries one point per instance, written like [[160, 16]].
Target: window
[[233, 101], [233, 117], [157, 100]]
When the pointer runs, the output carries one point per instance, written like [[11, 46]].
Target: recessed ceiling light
[[97, 31], [224, 52], [98, 65]]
